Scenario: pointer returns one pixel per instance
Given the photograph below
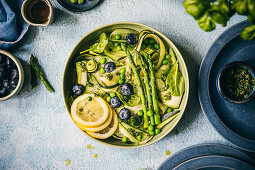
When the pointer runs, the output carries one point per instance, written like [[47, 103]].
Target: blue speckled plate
[[214, 162], [87, 5], [235, 122], [204, 150]]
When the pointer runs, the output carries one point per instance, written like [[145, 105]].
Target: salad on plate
[[128, 86]]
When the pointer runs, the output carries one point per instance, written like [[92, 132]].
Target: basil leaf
[[248, 33]]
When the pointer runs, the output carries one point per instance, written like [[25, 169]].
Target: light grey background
[[35, 129]]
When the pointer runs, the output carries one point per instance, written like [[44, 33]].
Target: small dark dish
[[11, 75], [87, 5], [223, 77]]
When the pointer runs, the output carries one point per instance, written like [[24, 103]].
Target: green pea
[[140, 113], [168, 56], [151, 41], [89, 98], [80, 1], [121, 81], [117, 37], [102, 70], [151, 132], [169, 110], [112, 94], [139, 137], [157, 131], [116, 44], [165, 62], [149, 46], [108, 99], [156, 46], [122, 76], [146, 41], [118, 48], [149, 113], [123, 70], [151, 128], [102, 60], [124, 139]]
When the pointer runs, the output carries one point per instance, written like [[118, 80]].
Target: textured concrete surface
[[35, 129]]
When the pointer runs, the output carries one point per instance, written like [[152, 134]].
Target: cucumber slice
[[94, 87], [162, 107], [113, 53], [134, 132], [171, 101], [119, 132], [123, 33], [124, 131], [82, 73], [161, 86], [131, 100]]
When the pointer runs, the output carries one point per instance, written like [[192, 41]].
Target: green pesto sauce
[[237, 83]]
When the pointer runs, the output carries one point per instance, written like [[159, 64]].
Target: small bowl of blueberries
[[11, 75]]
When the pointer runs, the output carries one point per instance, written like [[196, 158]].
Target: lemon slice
[[108, 131], [90, 113], [99, 128]]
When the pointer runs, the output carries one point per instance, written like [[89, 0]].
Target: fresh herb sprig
[[208, 13], [38, 71]]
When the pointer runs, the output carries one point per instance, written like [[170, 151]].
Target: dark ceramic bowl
[[220, 76]]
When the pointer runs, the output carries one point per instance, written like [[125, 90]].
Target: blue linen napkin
[[12, 24]]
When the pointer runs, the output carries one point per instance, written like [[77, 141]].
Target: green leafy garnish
[[175, 81]]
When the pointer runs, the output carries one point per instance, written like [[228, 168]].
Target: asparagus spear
[[139, 83], [154, 90], [144, 68], [38, 71]]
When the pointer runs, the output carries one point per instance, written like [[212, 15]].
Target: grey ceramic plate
[[214, 162], [86, 42], [235, 122], [204, 150]]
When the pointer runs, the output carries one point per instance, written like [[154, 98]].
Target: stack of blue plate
[[209, 156]]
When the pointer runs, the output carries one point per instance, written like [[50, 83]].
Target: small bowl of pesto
[[236, 82]]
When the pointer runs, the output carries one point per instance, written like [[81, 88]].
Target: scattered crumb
[[167, 152], [176, 131], [68, 162], [90, 147], [95, 155]]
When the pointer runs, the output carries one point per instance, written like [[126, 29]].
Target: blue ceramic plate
[[213, 162], [87, 5], [235, 122], [204, 150]]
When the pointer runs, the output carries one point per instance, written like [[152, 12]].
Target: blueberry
[[115, 102], [14, 73], [3, 92], [109, 66], [78, 89], [126, 89], [124, 114], [131, 38], [7, 85], [14, 83]]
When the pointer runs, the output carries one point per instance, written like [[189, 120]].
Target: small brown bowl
[[219, 84], [21, 75]]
